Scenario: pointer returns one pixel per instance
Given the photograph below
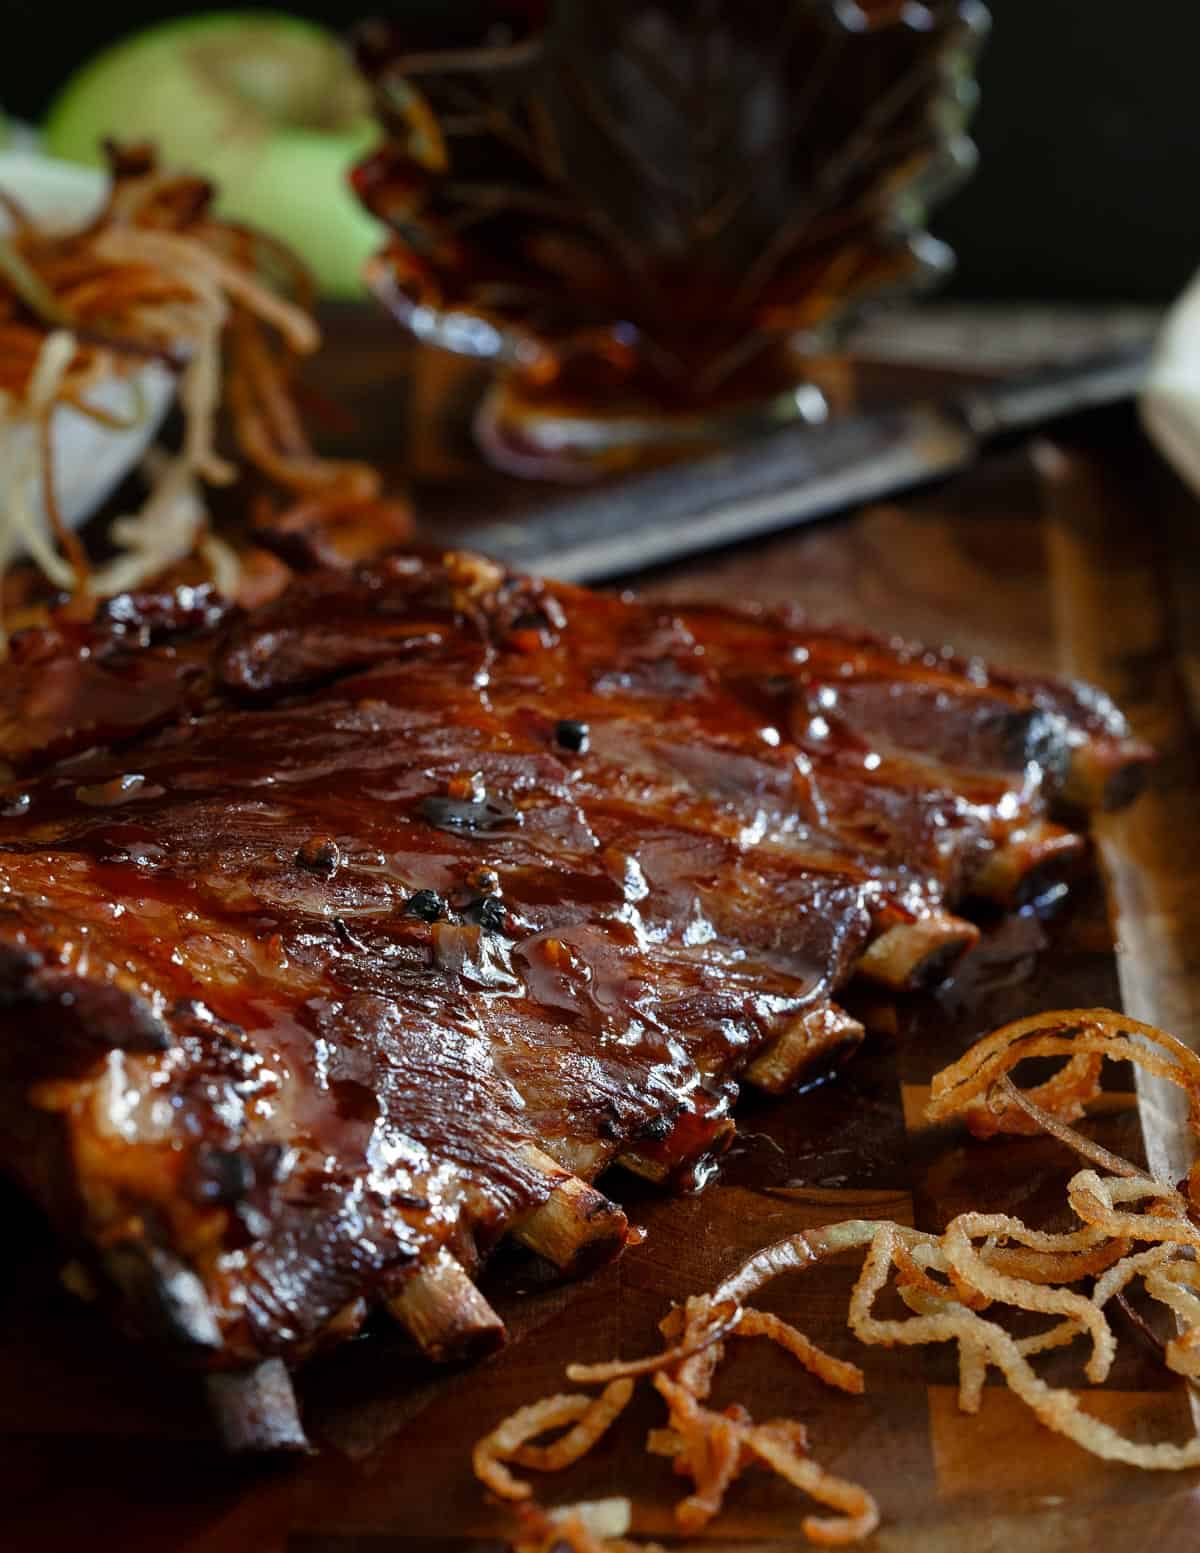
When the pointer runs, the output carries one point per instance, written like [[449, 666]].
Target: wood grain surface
[[1075, 553]]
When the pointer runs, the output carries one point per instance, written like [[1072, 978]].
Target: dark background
[[1089, 133]]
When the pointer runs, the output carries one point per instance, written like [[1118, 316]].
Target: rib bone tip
[[255, 1410], [915, 954], [813, 1040], [577, 1228], [445, 1313], [1024, 864]]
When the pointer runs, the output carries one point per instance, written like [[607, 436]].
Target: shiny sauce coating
[[313, 919]]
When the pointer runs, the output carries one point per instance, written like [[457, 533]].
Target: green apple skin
[[275, 118]]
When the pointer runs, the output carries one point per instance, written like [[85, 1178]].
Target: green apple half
[[268, 106]]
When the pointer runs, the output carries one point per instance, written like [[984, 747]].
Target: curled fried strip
[[510, 1439], [506, 1439], [596, 1420], [1061, 1266], [972, 1268], [834, 1372], [1093, 1199], [664, 1442], [1057, 1408], [860, 1513], [725, 1317], [978, 1262], [695, 1319], [912, 1272], [1117, 1278], [203, 266], [268, 427], [972, 1375], [1083, 1035], [715, 1447], [1046, 1121], [1064, 1095], [711, 1450], [1175, 1285], [804, 1250], [668, 1442], [154, 280]]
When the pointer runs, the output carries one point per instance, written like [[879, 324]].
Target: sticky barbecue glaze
[[312, 919]]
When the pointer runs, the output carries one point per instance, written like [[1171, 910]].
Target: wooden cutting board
[[1079, 555]]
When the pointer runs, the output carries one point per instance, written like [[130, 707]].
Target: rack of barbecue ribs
[[340, 938]]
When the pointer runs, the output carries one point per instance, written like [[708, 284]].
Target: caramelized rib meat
[[340, 938]]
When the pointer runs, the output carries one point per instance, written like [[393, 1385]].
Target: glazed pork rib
[[341, 938]]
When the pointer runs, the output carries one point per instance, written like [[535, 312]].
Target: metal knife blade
[[793, 476]]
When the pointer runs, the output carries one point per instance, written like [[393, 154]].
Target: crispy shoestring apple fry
[[834, 1372], [860, 1513], [156, 278], [1077, 1034], [506, 1439], [1065, 1096], [1093, 1200], [715, 1447], [1056, 1407], [1066, 1266], [711, 1450], [577, 1441], [510, 1439], [726, 1318], [1118, 1278], [1046, 1121], [1174, 1285], [972, 1376], [970, 1270], [980, 1262]]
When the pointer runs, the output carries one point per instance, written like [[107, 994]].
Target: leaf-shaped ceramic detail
[[646, 200]]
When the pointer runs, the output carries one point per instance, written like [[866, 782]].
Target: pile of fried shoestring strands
[[154, 279], [1129, 1227]]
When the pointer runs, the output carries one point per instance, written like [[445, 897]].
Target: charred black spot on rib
[[572, 735], [225, 1045], [468, 814], [488, 912], [658, 1130], [426, 904], [240, 1180]]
